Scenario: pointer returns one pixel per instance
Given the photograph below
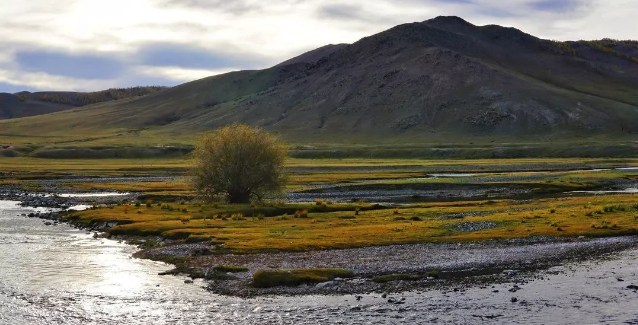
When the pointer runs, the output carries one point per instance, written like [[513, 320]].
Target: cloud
[[186, 56], [237, 7], [6, 87], [554, 5], [69, 65], [341, 11], [91, 45]]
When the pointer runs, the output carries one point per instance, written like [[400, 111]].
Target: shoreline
[[509, 260]]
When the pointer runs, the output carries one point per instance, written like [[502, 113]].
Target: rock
[[510, 272], [514, 288], [359, 298], [384, 295], [325, 285], [514, 299], [188, 281], [47, 223], [632, 287], [620, 280]]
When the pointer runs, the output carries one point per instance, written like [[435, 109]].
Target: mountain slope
[[25, 103], [442, 79]]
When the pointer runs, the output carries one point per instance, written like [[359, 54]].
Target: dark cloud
[[342, 12], [84, 66], [185, 56], [495, 12], [554, 5], [237, 7]]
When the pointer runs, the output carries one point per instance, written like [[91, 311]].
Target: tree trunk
[[238, 198]]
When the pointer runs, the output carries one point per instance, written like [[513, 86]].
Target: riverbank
[[83, 280], [399, 268], [391, 269], [397, 225]]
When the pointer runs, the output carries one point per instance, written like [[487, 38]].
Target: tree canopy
[[239, 163]]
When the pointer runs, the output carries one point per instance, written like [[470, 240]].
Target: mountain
[[25, 103], [443, 80]]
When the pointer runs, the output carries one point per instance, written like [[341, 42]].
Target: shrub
[[185, 219], [253, 158], [268, 279], [396, 211], [415, 218], [318, 201], [301, 214]]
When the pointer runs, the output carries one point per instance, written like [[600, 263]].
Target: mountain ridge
[[443, 78]]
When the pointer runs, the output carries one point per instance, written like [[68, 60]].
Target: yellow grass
[[573, 216]]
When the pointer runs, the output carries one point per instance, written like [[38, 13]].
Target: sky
[[88, 45]]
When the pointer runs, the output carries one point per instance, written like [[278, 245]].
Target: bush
[[185, 219], [268, 279], [253, 158], [301, 214]]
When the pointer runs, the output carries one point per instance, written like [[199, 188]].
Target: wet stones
[[510, 273], [514, 288]]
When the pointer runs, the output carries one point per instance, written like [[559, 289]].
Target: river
[[60, 275]]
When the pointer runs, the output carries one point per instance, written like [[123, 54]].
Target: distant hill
[[25, 103], [442, 79]]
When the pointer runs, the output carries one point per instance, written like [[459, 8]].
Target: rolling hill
[[25, 103], [443, 80]]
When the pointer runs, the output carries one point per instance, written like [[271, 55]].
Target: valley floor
[[396, 224]]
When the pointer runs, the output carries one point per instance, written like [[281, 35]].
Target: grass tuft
[[268, 279]]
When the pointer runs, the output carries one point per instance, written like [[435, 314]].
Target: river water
[[61, 275]]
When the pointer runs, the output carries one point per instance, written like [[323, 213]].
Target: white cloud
[[273, 30]]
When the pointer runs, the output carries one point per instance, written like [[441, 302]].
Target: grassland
[[281, 226], [298, 227]]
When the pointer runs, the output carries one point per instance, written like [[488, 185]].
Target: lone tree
[[239, 163]]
